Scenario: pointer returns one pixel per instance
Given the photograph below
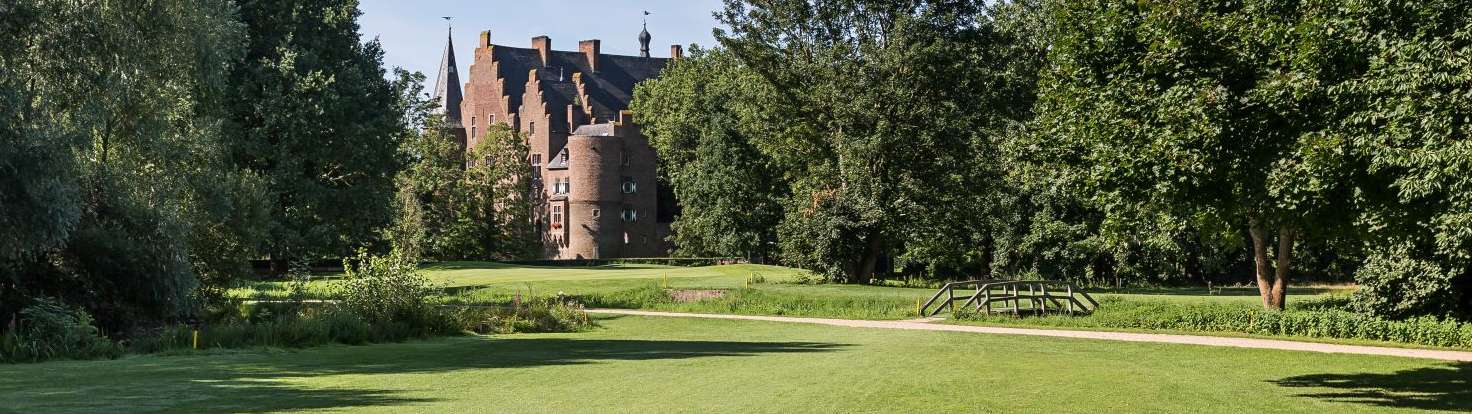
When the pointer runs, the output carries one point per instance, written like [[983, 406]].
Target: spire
[[447, 84], [644, 37]]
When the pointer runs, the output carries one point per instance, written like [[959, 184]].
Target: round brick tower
[[595, 188]]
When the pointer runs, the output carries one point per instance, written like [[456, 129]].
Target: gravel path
[[924, 325]]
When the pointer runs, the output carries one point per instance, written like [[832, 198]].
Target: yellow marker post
[[666, 280], [196, 339], [917, 308], [1251, 319]]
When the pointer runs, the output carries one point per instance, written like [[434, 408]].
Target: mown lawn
[[645, 364], [500, 278]]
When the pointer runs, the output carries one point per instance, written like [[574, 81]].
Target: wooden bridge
[[1010, 296]]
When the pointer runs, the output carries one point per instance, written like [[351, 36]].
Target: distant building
[[594, 186]]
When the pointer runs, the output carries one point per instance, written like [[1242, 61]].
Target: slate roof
[[447, 86], [609, 90], [595, 130]]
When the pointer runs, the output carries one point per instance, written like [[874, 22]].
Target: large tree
[[701, 115], [1410, 126], [125, 93], [889, 112], [314, 115], [1216, 113]]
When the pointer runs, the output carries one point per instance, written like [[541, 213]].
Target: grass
[[669, 365]]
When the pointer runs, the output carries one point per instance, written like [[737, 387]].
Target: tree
[[1216, 114], [39, 205], [496, 199], [429, 185], [1408, 124], [701, 115], [887, 110], [314, 116], [128, 88], [451, 209]]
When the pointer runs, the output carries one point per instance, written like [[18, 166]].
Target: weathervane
[[448, 25]]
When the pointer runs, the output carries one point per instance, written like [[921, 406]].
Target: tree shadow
[[1445, 387], [281, 381]]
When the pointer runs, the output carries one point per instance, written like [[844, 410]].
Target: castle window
[[629, 186], [567, 186], [564, 158], [624, 159], [596, 213], [532, 128], [630, 214], [472, 121], [556, 216]]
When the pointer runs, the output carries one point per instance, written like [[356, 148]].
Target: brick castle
[[594, 190]]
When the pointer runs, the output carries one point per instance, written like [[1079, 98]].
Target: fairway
[[612, 278], [644, 364]]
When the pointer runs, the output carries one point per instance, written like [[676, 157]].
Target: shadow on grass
[[1446, 387], [251, 382]]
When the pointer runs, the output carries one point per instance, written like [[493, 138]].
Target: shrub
[[542, 315], [386, 289], [48, 329], [1322, 318]]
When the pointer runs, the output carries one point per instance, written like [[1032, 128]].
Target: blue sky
[[413, 34]]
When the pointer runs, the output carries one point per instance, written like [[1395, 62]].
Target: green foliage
[[1407, 121], [881, 106], [385, 289], [130, 126], [312, 113], [750, 301], [39, 202], [1304, 319], [701, 115], [49, 329], [533, 316], [450, 209], [494, 209]]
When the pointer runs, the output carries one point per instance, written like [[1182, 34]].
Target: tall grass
[[755, 301]]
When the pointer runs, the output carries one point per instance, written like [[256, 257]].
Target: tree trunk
[[986, 257], [278, 264], [1272, 279], [1285, 260], [1260, 259], [865, 272]]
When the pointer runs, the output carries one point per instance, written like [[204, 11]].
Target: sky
[[413, 33]]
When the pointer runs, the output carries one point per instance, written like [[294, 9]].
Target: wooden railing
[[984, 294]]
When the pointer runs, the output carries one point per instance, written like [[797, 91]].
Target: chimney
[[543, 45], [485, 39], [590, 49], [676, 52]]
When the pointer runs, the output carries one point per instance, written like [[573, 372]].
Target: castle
[[594, 190]]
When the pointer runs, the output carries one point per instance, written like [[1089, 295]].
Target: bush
[[48, 329], [544, 315], [387, 289], [1323, 318]]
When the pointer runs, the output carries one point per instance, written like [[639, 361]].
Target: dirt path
[[922, 324]]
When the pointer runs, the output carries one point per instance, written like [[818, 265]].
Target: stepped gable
[[609, 90]]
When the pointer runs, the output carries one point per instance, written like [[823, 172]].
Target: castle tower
[[447, 85]]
